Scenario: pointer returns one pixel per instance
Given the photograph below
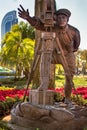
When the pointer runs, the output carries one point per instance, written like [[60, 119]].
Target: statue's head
[[62, 17]]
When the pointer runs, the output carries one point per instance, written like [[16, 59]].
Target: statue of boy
[[69, 38]]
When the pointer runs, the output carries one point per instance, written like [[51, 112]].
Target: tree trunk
[[39, 8]]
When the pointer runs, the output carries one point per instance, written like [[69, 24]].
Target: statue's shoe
[[68, 102]]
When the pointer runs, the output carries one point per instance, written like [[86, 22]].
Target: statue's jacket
[[69, 38]]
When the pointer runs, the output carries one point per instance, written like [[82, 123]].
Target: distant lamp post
[[83, 67], [78, 64]]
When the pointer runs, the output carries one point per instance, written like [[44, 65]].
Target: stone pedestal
[[41, 97], [27, 116]]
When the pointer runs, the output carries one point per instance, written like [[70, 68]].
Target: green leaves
[[18, 46]]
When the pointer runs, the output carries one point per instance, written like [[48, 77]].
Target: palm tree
[[27, 30], [17, 49]]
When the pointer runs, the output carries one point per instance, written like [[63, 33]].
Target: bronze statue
[[69, 39]]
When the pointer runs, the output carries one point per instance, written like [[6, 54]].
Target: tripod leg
[[45, 64], [45, 70]]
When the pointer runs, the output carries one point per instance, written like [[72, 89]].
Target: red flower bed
[[8, 97], [13, 93], [80, 91]]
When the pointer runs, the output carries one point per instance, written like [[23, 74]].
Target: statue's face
[[62, 20]]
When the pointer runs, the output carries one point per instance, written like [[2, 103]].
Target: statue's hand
[[23, 13]]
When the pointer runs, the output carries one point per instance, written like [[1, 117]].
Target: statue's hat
[[63, 11]]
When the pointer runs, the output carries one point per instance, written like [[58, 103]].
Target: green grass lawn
[[78, 81], [59, 81]]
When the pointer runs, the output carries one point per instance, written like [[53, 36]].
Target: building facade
[[9, 19]]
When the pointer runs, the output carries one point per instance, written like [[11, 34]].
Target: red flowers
[[13, 93], [80, 91]]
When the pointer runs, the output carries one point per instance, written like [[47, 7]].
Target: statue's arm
[[77, 40], [34, 21]]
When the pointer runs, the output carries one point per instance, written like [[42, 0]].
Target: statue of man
[[69, 38]]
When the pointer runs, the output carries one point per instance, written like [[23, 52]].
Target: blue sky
[[78, 9]]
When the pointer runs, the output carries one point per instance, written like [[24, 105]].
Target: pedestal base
[[41, 97], [31, 117]]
